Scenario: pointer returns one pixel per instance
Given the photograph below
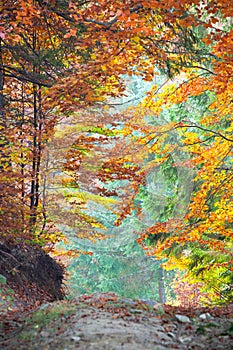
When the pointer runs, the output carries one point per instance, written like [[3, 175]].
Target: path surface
[[108, 322]]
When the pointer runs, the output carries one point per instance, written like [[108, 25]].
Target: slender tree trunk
[[3, 140], [44, 199], [22, 158], [39, 147], [37, 153], [34, 161], [2, 113], [34, 180], [38, 123], [162, 294]]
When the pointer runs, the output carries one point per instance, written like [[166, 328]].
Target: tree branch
[[23, 76], [114, 20], [180, 125]]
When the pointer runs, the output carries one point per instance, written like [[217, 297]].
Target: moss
[[47, 317]]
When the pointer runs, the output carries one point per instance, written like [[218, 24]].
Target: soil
[[33, 318], [28, 268], [107, 321]]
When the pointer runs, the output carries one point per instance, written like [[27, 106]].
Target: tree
[[206, 141], [33, 55], [59, 57], [202, 240]]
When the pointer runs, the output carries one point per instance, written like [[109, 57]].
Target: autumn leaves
[[57, 60]]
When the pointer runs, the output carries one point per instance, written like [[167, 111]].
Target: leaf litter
[[107, 321]]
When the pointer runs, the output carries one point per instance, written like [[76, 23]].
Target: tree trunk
[[34, 161], [34, 195], [38, 124], [162, 293], [3, 127], [2, 113], [22, 158]]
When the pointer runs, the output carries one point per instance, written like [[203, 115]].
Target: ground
[[32, 316], [105, 321]]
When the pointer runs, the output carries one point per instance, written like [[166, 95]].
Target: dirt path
[[108, 322]]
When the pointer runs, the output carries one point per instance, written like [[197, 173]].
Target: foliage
[[118, 265], [60, 59]]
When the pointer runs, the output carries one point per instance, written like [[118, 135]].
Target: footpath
[[105, 321]]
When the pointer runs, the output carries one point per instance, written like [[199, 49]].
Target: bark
[[2, 113], [162, 293], [22, 157], [3, 139], [34, 195], [34, 161]]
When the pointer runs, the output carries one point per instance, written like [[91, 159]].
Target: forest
[[116, 149]]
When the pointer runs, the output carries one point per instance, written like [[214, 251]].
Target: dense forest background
[[116, 144]]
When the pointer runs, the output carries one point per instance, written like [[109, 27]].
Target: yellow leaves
[[163, 97], [53, 236], [93, 56], [180, 263], [98, 225], [190, 138], [136, 39], [86, 196]]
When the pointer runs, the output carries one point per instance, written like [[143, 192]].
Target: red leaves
[[117, 170], [188, 295]]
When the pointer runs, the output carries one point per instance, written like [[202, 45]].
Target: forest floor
[[105, 321]]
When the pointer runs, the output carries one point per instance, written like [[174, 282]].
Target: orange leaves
[[207, 141], [70, 33], [80, 54], [117, 170]]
